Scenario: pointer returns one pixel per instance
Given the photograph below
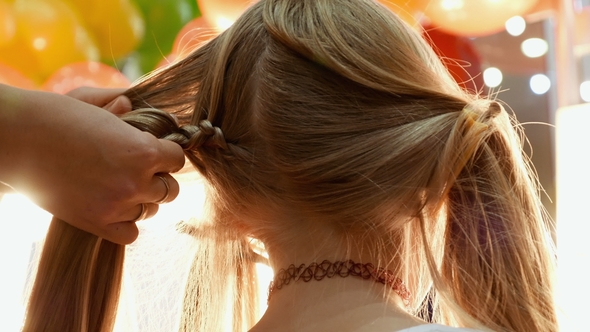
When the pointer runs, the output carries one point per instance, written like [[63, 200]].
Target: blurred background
[[532, 54]]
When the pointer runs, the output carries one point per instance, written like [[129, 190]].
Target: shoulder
[[436, 328]]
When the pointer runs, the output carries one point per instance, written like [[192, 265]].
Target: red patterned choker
[[327, 269]]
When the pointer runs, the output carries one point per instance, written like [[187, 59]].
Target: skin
[[81, 162], [332, 304]]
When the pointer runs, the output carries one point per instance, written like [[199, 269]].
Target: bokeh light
[[585, 91], [515, 26], [493, 77], [534, 47], [540, 84]]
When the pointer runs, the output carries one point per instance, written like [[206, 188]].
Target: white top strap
[[436, 328]]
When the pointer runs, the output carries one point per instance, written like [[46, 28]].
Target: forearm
[[13, 115], [33, 127]]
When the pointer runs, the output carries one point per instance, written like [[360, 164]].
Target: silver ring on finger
[[165, 198], [142, 214]]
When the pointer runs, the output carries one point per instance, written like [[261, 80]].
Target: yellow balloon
[[7, 23], [49, 31], [18, 56], [117, 25]]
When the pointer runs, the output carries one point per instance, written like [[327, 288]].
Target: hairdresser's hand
[[82, 163], [111, 100]]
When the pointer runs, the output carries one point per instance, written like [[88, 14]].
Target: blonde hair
[[337, 108]]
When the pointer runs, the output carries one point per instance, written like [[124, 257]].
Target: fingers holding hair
[[111, 100], [171, 157]]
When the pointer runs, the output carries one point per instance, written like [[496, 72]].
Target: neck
[[339, 269], [331, 304], [335, 304]]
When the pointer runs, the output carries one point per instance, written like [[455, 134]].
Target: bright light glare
[[492, 77], [585, 91], [187, 205], [23, 224], [534, 47], [573, 220], [21, 215], [540, 84], [265, 276], [452, 4], [223, 23], [515, 26]]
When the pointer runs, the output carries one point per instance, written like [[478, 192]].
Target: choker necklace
[[327, 269]]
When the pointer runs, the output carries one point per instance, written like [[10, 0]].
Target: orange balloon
[[544, 5], [89, 73], [7, 23], [223, 13], [474, 17], [407, 10], [192, 35], [13, 77]]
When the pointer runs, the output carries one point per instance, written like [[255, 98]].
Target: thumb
[[119, 105]]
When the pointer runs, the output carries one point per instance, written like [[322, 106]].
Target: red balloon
[[88, 73], [192, 35], [10, 76], [459, 56]]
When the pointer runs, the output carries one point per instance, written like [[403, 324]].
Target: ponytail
[[77, 284], [498, 265]]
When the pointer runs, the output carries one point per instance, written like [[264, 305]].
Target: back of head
[[338, 110], [320, 102]]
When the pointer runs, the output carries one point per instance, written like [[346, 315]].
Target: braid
[[164, 126], [204, 134]]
